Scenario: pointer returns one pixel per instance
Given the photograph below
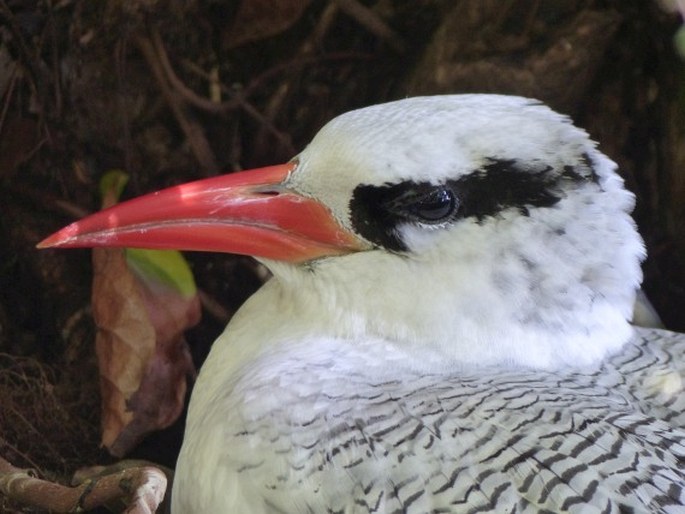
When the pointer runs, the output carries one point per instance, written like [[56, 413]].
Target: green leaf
[[167, 267], [679, 41], [112, 184]]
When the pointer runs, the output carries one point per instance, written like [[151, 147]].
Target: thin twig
[[192, 130], [27, 56], [277, 100], [372, 22], [8, 98], [238, 99], [214, 308], [34, 430], [18, 452], [186, 93], [189, 96], [50, 201], [120, 52], [237, 96]]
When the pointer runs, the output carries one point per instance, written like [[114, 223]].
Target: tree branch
[[142, 487]]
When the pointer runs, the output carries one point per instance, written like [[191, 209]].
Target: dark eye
[[436, 206]]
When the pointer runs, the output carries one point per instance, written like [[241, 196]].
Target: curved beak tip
[[233, 213], [59, 239]]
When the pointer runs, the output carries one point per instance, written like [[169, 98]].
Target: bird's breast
[[331, 432]]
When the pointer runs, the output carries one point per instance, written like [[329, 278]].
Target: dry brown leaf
[[142, 354], [259, 19]]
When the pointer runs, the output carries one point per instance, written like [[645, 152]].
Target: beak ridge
[[249, 212]]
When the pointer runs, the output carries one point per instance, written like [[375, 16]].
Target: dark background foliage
[[170, 90]]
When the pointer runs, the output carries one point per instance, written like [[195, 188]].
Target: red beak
[[249, 212]]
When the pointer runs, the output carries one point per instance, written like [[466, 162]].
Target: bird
[[447, 328]]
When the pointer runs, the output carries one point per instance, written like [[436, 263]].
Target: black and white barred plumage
[[604, 438], [476, 357]]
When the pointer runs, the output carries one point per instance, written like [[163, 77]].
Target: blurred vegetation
[[172, 90]]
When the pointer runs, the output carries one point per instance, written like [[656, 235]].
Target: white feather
[[414, 380]]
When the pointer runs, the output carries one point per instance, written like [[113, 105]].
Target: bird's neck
[[461, 322], [541, 297]]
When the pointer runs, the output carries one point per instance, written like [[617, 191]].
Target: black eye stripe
[[376, 212], [502, 184]]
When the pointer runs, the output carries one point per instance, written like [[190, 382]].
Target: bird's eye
[[434, 207]]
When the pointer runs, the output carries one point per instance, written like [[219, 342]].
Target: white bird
[[447, 328]]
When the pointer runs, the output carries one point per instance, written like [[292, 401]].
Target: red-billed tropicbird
[[447, 328]]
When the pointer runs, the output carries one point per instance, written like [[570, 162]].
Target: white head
[[461, 230], [497, 232]]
